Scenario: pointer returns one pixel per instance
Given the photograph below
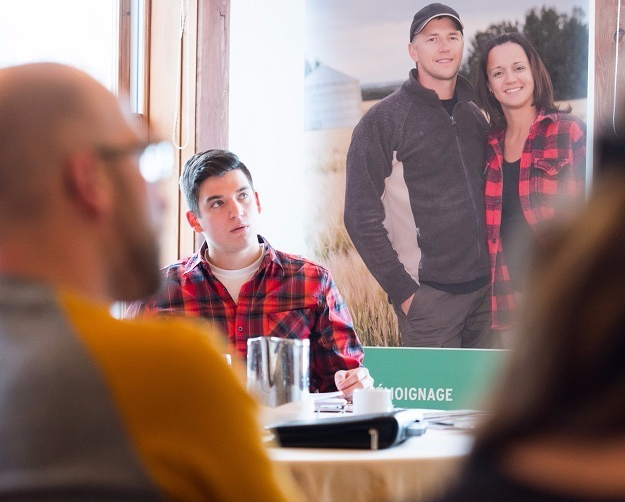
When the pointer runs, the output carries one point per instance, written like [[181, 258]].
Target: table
[[417, 469]]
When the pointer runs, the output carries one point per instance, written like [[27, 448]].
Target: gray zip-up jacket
[[414, 203]]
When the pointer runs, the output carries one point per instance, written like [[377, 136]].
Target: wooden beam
[[213, 66], [123, 41]]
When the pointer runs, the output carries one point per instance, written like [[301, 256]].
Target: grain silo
[[332, 99]]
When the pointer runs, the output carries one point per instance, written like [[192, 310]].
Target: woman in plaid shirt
[[535, 160]]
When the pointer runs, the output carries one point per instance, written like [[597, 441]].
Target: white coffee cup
[[376, 400]]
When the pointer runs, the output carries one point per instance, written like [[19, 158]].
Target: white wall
[[266, 110]]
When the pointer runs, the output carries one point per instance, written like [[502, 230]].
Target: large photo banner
[[356, 55]]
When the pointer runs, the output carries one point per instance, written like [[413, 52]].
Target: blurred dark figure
[[557, 428]]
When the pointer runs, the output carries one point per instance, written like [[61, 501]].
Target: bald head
[[73, 204], [46, 111]]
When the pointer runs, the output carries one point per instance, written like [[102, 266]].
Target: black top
[[514, 226], [482, 481], [449, 104]]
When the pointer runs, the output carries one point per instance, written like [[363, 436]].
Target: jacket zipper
[[468, 181]]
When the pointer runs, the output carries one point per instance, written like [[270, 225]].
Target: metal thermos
[[277, 369]]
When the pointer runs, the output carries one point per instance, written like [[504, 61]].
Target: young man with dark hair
[[245, 288]]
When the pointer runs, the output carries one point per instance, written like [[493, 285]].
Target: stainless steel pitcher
[[277, 369]]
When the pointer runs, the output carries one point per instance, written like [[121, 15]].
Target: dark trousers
[[440, 319]]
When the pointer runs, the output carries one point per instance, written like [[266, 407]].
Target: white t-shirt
[[234, 279]]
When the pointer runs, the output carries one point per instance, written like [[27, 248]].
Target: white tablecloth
[[415, 470]]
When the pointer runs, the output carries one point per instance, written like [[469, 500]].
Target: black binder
[[375, 431]]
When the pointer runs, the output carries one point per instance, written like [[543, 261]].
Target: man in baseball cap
[[433, 11], [414, 203]]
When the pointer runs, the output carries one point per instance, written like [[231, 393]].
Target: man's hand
[[348, 381], [405, 306]]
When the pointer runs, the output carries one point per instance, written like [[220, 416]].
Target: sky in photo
[[368, 39]]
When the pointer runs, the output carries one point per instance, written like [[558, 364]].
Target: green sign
[[443, 379]]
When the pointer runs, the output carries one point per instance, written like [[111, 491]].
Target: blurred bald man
[[92, 407]]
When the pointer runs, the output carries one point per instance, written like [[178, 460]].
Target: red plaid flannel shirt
[[551, 181], [288, 297]]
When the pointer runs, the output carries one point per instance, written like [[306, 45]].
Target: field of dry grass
[[330, 244]]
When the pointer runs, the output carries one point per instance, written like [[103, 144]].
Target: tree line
[[561, 40]]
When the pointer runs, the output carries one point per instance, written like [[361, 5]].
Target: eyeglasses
[[155, 160]]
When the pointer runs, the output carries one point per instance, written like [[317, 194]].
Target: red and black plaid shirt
[[551, 182], [288, 297]]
